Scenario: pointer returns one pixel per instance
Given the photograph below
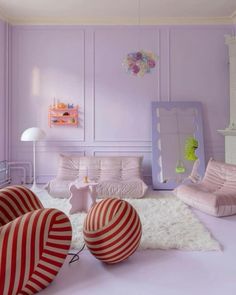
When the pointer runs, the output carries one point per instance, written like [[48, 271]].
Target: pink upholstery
[[118, 176], [73, 167], [216, 193]]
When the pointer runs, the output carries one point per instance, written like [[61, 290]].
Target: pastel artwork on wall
[[139, 63]]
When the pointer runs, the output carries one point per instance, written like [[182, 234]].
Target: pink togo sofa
[[117, 176], [215, 194]]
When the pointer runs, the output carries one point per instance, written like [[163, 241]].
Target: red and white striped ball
[[112, 230]]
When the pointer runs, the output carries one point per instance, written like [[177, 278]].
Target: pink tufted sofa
[[116, 176], [216, 193]]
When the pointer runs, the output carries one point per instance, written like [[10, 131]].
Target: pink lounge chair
[[34, 242], [215, 194]]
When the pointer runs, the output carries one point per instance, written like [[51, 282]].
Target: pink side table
[[83, 196]]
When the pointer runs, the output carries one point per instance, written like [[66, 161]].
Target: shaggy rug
[[167, 223]]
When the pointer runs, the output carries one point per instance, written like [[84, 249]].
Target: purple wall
[[2, 90], [83, 65]]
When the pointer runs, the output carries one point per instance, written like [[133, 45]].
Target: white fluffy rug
[[167, 223]]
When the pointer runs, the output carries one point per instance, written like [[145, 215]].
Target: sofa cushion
[[88, 166], [216, 193], [122, 189], [68, 167], [58, 188], [99, 168], [215, 174], [131, 168], [110, 169]]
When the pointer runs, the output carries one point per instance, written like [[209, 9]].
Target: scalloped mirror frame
[[156, 137]]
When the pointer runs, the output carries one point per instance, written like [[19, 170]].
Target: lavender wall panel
[[122, 100], [85, 64], [199, 69], [47, 63], [2, 90]]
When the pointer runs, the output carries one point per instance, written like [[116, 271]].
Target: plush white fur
[[167, 223]]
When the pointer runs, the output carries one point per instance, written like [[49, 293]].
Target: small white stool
[[83, 196]]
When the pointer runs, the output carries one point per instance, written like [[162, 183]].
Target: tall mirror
[[177, 143]]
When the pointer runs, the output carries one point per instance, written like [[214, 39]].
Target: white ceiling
[[116, 11]]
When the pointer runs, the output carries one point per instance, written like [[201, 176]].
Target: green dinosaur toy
[[191, 144]]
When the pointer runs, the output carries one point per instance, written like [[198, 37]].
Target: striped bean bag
[[33, 242], [112, 230]]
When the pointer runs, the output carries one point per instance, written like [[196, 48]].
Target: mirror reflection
[[177, 143]]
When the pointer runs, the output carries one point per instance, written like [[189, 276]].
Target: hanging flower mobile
[[139, 63]]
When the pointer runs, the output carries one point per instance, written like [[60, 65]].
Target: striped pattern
[[15, 201], [33, 248], [112, 230]]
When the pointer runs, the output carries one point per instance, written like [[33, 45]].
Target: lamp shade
[[33, 134]]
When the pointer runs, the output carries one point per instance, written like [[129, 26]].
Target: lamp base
[[35, 188]]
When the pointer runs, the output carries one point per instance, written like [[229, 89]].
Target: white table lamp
[[33, 134]]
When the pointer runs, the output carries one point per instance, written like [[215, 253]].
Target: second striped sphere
[[112, 230]]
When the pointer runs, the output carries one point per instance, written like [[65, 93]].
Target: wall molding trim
[[7, 90], [159, 66], [169, 66], [123, 21], [96, 152]]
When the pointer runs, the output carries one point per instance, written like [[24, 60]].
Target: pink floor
[[158, 272]]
